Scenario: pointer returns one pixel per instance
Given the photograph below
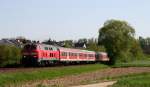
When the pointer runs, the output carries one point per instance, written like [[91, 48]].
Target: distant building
[[12, 41], [80, 45], [7, 42]]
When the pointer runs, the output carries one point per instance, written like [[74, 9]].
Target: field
[[134, 80], [126, 74], [22, 76], [139, 63], [137, 80]]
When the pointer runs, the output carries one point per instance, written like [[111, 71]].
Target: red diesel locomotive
[[42, 54]]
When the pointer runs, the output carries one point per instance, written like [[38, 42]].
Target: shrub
[[9, 55]]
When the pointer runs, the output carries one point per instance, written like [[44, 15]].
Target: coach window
[[50, 48], [62, 54], [65, 53], [46, 48], [38, 47], [80, 54], [50, 55], [69, 54], [85, 55], [75, 54], [89, 55]]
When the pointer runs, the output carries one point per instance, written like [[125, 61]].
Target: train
[[43, 54]]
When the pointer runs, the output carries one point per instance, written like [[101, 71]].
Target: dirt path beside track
[[102, 84], [75, 80]]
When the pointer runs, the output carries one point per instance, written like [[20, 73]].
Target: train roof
[[39, 44], [103, 53], [68, 49], [74, 50], [63, 48]]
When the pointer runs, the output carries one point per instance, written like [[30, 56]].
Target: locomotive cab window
[[30, 47]]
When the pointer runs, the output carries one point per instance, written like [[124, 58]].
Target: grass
[[137, 80], [138, 63], [130, 80], [145, 62], [20, 77]]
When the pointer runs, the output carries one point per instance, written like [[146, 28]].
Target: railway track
[[24, 69]]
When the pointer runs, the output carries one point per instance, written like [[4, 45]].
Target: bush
[[9, 55]]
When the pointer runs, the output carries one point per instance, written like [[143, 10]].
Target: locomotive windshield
[[30, 47]]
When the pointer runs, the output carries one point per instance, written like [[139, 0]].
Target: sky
[[69, 19]]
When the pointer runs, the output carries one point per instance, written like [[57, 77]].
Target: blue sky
[[69, 19]]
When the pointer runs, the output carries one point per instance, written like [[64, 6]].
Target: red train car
[[68, 54], [102, 56], [41, 54]]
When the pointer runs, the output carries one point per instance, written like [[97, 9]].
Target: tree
[[49, 41], [92, 44], [136, 50], [117, 37], [145, 44], [83, 40], [68, 43]]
